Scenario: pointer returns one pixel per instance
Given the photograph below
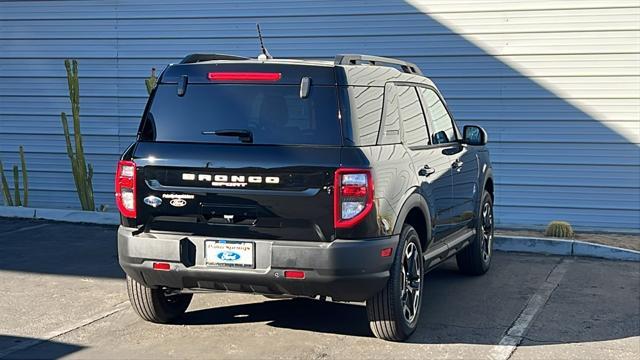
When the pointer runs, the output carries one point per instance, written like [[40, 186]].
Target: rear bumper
[[347, 270]]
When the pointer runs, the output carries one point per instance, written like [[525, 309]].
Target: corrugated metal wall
[[556, 83]]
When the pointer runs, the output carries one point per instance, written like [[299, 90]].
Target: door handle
[[457, 164], [426, 171]]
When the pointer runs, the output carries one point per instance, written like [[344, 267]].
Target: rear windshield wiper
[[245, 136]]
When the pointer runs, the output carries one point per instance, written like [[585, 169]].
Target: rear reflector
[[244, 76], [293, 274], [162, 266], [386, 252]]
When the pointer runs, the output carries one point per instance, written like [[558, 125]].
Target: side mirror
[[474, 135]]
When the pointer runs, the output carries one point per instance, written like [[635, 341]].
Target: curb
[[524, 244], [75, 216], [563, 247]]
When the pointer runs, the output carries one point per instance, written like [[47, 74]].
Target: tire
[[154, 305], [389, 319], [475, 259]]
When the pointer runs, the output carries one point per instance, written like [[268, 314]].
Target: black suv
[[345, 180]]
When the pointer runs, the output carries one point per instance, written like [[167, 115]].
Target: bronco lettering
[[231, 180]]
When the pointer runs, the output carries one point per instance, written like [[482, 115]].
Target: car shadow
[[329, 317], [300, 314], [58, 248], [19, 347]]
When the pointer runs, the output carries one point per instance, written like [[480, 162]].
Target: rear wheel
[[394, 311], [156, 305], [475, 259]]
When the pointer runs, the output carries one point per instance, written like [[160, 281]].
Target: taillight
[[126, 188], [244, 76], [353, 197]]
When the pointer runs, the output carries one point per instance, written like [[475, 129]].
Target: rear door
[[432, 165], [239, 159]]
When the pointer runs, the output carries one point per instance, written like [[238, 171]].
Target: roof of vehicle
[[367, 73], [312, 62], [370, 75]]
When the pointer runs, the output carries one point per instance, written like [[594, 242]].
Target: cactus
[[82, 172], [151, 81], [560, 229], [6, 192], [25, 180], [16, 186], [4, 184]]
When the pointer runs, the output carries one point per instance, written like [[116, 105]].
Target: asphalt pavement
[[63, 295]]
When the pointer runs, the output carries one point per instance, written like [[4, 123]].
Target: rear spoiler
[[196, 58], [289, 74]]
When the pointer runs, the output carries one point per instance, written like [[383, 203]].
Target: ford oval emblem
[[229, 256], [153, 201], [178, 202]]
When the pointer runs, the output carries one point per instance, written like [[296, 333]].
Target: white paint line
[[513, 336], [24, 229], [67, 329]]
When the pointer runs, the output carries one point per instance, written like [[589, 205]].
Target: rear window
[[274, 114]]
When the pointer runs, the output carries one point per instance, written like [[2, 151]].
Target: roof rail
[[194, 58], [354, 59]]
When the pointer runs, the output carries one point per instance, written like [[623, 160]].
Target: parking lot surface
[[64, 296]]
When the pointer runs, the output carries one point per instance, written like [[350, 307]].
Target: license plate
[[229, 253]]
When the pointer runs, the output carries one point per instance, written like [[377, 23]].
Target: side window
[[443, 131], [414, 125], [390, 132]]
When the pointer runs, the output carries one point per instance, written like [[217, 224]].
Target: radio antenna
[[265, 53]]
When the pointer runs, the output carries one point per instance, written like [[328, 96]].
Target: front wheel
[[156, 305], [394, 311], [475, 259]]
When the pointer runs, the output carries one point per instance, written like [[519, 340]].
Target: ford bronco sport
[[345, 180]]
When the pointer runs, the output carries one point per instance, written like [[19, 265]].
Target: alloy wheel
[[487, 231], [411, 281]]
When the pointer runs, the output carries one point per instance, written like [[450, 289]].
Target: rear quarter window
[[364, 105]]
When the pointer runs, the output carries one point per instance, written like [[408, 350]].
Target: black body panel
[[261, 211]]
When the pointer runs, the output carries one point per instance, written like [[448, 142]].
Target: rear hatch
[[240, 151]]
